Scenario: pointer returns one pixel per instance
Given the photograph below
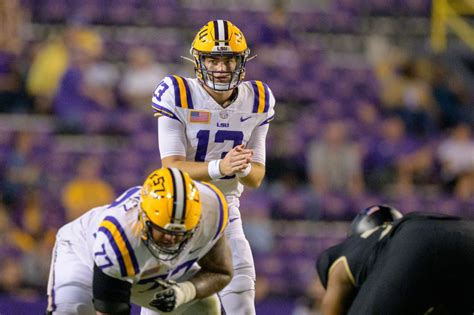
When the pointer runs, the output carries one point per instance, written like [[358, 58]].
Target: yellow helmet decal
[[220, 36], [171, 200]]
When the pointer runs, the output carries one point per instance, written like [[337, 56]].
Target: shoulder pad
[[113, 252], [263, 97], [223, 211]]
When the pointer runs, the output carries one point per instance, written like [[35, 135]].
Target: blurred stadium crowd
[[372, 123]]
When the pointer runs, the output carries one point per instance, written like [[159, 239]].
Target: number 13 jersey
[[202, 130]]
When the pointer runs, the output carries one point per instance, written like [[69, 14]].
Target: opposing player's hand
[[236, 160]]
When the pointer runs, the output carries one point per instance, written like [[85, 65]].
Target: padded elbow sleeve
[[111, 295]]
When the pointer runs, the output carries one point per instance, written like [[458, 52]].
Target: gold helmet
[[220, 38], [169, 203]]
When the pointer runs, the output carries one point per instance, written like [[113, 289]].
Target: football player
[[160, 246], [214, 127], [420, 263]]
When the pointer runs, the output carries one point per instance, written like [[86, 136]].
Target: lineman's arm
[[111, 295], [339, 292], [215, 274], [216, 270]]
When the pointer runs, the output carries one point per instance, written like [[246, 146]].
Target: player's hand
[[165, 300], [236, 160], [173, 295]]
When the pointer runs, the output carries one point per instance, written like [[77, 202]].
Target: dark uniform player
[[417, 264]]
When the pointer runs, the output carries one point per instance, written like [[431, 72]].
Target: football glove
[[173, 295]]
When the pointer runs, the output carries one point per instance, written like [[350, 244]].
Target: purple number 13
[[220, 137]]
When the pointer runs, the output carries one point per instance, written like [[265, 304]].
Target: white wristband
[[245, 172], [213, 168], [184, 292]]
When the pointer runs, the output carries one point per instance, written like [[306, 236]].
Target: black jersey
[[359, 252], [412, 265]]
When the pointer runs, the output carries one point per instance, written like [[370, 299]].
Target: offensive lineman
[[160, 246], [214, 127]]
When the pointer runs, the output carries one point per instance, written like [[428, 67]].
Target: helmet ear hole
[[372, 217]]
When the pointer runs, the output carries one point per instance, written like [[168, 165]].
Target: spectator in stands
[[416, 105], [36, 239], [139, 78], [393, 158], [50, 61], [86, 87], [368, 120], [292, 199], [257, 226], [286, 153], [456, 155], [12, 238], [275, 29], [21, 173], [86, 190], [12, 22], [335, 163], [12, 92], [11, 277], [451, 96], [406, 92]]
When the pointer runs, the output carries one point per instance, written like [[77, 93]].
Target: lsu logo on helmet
[[169, 203]]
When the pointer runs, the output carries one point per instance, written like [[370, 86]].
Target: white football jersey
[[211, 130], [110, 237]]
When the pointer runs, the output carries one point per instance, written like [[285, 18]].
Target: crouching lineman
[[420, 263], [160, 246]]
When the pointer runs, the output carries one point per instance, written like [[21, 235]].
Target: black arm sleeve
[[111, 295]]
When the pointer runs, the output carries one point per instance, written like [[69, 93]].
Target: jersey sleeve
[[263, 102], [271, 109], [171, 95], [113, 252], [257, 143], [171, 137]]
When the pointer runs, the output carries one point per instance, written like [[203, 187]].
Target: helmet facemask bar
[[208, 76], [163, 252]]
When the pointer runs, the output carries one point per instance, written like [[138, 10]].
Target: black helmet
[[372, 217]]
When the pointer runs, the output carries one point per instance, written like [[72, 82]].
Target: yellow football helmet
[[169, 203], [220, 38]]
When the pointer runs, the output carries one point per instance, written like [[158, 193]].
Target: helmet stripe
[[226, 31], [216, 33], [221, 32], [179, 196]]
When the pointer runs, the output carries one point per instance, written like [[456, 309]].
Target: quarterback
[[214, 127], [160, 246]]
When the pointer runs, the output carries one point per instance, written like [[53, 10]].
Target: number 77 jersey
[[207, 131]]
